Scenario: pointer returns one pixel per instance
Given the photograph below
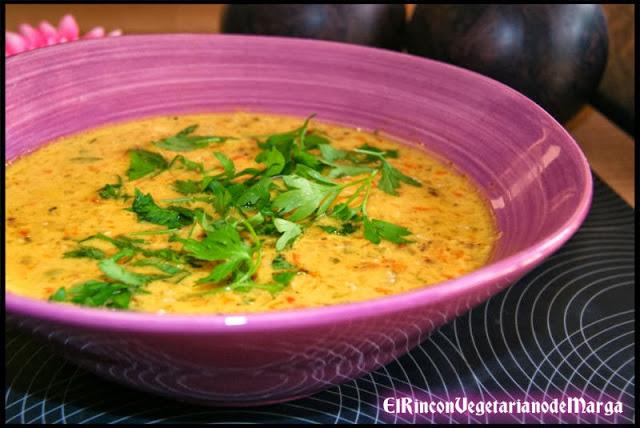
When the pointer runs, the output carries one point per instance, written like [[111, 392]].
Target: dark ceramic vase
[[555, 54], [379, 25]]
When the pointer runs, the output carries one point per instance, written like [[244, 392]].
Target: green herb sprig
[[238, 212]]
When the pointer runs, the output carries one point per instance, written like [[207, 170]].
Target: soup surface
[[244, 212]]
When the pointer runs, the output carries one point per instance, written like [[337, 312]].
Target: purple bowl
[[533, 173]]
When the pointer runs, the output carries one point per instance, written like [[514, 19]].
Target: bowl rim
[[510, 267]]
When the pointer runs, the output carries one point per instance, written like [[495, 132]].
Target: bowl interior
[[535, 177]]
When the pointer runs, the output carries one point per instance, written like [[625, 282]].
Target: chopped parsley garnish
[[345, 229], [227, 165], [280, 263], [144, 162], [273, 160], [147, 210], [119, 242], [85, 252], [187, 187], [284, 272], [304, 197], [387, 154], [96, 293], [290, 231], [283, 278], [183, 141], [113, 191], [376, 230], [300, 179], [166, 267], [118, 273], [391, 177], [186, 164], [237, 260]]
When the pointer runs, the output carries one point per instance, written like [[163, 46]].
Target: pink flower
[[47, 35]]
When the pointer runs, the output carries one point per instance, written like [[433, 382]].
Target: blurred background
[[577, 61]]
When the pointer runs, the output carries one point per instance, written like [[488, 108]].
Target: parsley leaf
[[169, 255], [391, 178], [120, 241], [331, 154], [222, 198], [243, 287], [344, 212], [338, 171], [255, 196], [157, 263], [305, 197], [284, 272], [187, 187], [280, 263], [221, 243], [282, 143], [183, 141], [96, 293], [143, 162], [224, 244], [376, 230], [290, 231], [114, 271], [227, 164], [273, 159], [283, 278], [113, 191], [173, 217], [377, 153], [314, 140], [312, 174], [186, 164], [85, 252], [345, 229], [291, 152]]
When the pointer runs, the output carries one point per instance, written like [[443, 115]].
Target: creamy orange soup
[[141, 216]]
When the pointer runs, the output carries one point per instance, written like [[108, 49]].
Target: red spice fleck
[[459, 194], [396, 266], [24, 232], [291, 299], [71, 233], [369, 265], [296, 258], [441, 172]]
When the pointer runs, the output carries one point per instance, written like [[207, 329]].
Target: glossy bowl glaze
[[534, 175]]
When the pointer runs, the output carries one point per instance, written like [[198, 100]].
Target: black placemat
[[566, 328]]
